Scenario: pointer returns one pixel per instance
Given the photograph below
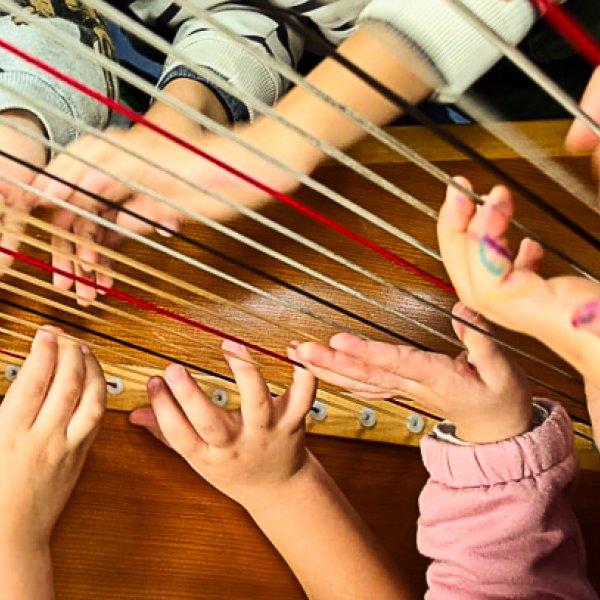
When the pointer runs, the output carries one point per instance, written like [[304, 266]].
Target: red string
[[295, 204], [570, 29], [12, 354], [149, 306]]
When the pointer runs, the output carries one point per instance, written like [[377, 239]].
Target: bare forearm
[[312, 114], [325, 542], [26, 571]]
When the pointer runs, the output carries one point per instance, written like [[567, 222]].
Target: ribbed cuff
[[522, 457], [234, 64], [459, 53], [58, 130], [236, 110]]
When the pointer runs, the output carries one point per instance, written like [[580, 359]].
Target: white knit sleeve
[[215, 51], [451, 44]]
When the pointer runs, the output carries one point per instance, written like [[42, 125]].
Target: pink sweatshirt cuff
[[522, 457], [496, 520]]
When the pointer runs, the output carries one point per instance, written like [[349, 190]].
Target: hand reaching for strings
[[481, 391], [562, 312]]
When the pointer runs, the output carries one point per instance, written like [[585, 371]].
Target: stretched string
[[510, 135], [54, 230], [279, 387], [338, 285], [373, 130], [141, 84], [571, 30], [527, 66], [145, 305], [330, 51], [533, 379]]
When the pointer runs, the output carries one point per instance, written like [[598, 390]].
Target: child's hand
[[48, 420], [482, 392], [249, 455], [19, 145], [562, 312]]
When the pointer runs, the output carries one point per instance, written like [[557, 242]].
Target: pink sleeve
[[496, 520]]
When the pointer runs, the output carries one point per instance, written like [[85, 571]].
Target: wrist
[[287, 493], [489, 431]]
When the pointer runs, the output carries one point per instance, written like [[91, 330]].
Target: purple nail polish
[[586, 316]]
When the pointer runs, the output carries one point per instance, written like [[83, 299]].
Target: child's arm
[[258, 457], [496, 518], [48, 420], [508, 290], [494, 514], [470, 55]]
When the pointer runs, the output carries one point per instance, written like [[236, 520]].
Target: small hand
[[482, 392], [48, 421], [562, 312], [12, 196], [249, 454]]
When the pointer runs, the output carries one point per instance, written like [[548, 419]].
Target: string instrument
[[141, 524]]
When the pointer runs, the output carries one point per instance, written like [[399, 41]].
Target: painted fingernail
[[175, 372], [586, 316]]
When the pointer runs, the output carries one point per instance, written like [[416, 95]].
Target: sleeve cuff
[[521, 457], [232, 63], [58, 129], [236, 110], [454, 47]]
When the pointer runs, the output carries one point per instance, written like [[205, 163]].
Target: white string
[[212, 125], [227, 231], [303, 241], [527, 66], [356, 294], [526, 147], [215, 127]]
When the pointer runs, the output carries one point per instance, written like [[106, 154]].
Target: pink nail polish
[[586, 316]]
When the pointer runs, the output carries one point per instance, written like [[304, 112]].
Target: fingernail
[[174, 225], [85, 349], [500, 206], [294, 343], [153, 384], [586, 316], [174, 372], [45, 336], [231, 346]]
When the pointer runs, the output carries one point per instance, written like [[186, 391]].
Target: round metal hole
[[367, 417], [318, 411], [415, 423], [11, 372], [114, 385], [220, 397]]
